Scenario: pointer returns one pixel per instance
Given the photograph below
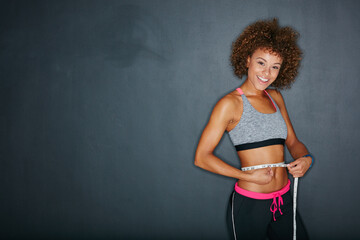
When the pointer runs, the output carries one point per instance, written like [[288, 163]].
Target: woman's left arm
[[296, 148]]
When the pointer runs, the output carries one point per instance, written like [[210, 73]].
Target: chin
[[262, 86]]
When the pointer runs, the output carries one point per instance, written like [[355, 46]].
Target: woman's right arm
[[221, 116]]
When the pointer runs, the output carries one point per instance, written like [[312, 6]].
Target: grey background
[[103, 103]]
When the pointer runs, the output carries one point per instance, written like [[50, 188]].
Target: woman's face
[[263, 68]]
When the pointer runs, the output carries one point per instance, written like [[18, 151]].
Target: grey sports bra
[[256, 129]]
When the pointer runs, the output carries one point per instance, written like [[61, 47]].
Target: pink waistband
[[262, 196]]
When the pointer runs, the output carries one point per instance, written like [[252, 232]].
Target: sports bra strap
[[240, 91], [270, 99]]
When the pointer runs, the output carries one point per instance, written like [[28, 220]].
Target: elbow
[[198, 160]]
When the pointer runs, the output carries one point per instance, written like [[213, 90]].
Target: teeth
[[263, 79]]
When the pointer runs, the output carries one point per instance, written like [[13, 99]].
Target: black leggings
[[250, 218]]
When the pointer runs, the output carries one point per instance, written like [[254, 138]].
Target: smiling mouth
[[263, 79]]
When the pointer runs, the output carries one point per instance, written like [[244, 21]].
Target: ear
[[248, 62]]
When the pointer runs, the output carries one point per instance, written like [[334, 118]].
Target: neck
[[249, 88]]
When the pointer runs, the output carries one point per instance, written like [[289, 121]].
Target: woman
[[259, 126]]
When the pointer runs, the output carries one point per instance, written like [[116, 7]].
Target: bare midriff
[[264, 155]]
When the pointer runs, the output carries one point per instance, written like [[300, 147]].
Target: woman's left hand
[[299, 167]]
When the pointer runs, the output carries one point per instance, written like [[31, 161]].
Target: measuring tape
[[296, 182]]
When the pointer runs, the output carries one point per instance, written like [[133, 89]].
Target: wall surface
[[102, 104]]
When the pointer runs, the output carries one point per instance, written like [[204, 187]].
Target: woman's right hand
[[262, 176]]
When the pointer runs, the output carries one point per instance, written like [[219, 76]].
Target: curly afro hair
[[278, 40]]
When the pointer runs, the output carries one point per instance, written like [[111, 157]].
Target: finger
[[295, 162], [298, 173], [295, 175], [292, 165], [293, 168]]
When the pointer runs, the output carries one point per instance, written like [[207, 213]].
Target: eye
[[276, 67], [261, 63]]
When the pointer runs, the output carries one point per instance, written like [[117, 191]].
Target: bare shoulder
[[229, 102], [228, 110], [227, 107]]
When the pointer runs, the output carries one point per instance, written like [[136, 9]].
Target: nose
[[266, 71]]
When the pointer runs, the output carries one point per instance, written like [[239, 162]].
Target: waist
[[281, 164], [279, 179], [262, 196], [264, 155]]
